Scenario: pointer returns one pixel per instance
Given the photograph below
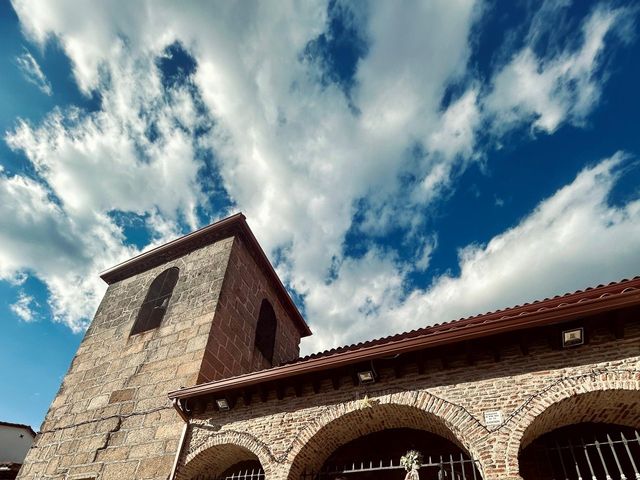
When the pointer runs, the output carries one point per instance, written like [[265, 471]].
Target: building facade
[[191, 371], [15, 441]]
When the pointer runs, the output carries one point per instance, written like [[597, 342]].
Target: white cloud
[[426, 251], [549, 91], [38, 237], [299, 157], [566, 243], [353, 307], [90, 165], [33, 73], [457, 130], [572, 240], [23, 307]]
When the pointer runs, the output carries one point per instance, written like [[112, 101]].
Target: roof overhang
[[225, 228], [557, 310], [20, 426]]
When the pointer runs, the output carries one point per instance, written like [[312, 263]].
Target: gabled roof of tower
[[541, 313], [225, 228]]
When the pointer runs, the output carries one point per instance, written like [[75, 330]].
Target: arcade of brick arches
[[191, 371]]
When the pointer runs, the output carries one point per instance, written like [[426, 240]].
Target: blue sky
[[402, 163]]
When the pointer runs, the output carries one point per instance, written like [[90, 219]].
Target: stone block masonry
[[111, 418], [230, 347]]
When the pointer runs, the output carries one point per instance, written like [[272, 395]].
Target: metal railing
[[253, 474], [614, 456], [450, 467]]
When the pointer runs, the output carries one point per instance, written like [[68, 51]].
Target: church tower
[[203, 307]]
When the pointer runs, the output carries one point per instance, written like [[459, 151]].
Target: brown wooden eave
[[550, 312]]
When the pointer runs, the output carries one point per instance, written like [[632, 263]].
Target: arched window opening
[[156, 301], [377, 456], [584, 450], [266, 330]]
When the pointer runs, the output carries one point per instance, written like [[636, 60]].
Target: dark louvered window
[[266, 330], [156, 302]]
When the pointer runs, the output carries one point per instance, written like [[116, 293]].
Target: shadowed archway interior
[[592, 435], [379, 433], [223, 461], [377, 457], [616, 406], [586, 450]]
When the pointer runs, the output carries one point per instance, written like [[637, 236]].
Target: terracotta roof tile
[[556, 302], [541, 312]]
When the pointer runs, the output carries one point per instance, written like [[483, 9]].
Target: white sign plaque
[[493, 418]]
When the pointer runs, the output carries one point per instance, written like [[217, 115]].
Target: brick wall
[[536, 393]]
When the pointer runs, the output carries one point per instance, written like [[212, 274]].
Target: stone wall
[[231, 346], [111, 418], [536, 393]]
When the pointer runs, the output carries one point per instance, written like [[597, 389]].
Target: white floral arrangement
[[411, 461]]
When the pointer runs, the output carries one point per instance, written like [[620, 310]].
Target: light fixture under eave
[[573, 337], [366, 376], [223, 404]]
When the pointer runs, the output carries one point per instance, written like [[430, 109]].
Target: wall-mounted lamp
[[366, 376], [223, 404], [571, 338]]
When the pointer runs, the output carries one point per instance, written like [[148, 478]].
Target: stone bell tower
[[203, 307]]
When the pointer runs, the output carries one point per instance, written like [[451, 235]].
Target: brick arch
[[221, 451], [600, 396], [344, 422]]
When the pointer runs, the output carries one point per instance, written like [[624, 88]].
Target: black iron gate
[[253, 474], [245, 470], [441, 467], [612, 454]]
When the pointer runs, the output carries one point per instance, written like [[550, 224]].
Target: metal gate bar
[[454, 468], [254, 474], [611, 457]]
